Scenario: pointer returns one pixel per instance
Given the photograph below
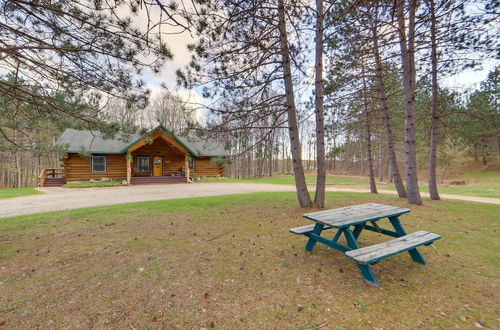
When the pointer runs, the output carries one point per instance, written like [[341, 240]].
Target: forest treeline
[[469, 130], [351, 86]]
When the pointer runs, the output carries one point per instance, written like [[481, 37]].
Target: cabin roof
[[78, 141]]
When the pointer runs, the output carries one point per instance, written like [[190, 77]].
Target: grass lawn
[[481, 184], [88, 184], [290, 180], [472, 189], [229, 262], [16, 192]]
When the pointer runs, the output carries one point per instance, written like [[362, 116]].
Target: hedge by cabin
[[158, 156]]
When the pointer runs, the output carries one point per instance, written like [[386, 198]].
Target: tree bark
[[319, 197], [300, 181], [498, 144], [407, 44], [18, 170], [391, 153], [433, 190], [270, 155], [380, 164], [371, 174], [483, 151]]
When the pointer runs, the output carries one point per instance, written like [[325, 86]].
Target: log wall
[[78, 168], [205, 168]]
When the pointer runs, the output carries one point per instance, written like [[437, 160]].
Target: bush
[[88, 184]]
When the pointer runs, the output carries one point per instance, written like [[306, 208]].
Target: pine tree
[[243, 60], [86, 50]]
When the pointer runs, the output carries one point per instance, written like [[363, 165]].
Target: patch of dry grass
[[229, 262]]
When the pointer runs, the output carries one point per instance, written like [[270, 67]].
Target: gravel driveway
[[59, 199]]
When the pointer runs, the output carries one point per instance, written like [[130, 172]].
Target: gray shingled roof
[[93, 142]]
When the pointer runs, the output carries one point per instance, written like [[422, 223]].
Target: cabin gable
[[158, 153]]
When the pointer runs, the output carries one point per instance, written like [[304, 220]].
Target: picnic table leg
[[415, 255], [357, 230], [366, 270], [318, 228], [337, 235]]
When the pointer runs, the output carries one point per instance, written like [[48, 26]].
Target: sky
[[469, 79], [465, 81]]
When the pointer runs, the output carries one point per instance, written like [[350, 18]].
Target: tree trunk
[[371, 174], [391, 153], [300, 181], [389, 169], [407, 45], [270, 155], [334, 165], [498, 144], [283, 169], [319, 197], [364, 162], [380, 164], [433, 190], [18, 182], [483, 149], [249, 164]]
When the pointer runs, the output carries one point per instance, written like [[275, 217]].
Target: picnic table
[[351, 221]]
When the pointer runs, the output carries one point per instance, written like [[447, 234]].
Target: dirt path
[[59, 199]]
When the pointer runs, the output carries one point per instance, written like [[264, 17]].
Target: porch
[[158, 159], [51, 177], [140, 180]]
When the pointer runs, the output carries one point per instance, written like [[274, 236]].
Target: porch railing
[[49, 173]]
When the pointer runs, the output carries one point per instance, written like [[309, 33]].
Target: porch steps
[[157, 180], [54, 182]]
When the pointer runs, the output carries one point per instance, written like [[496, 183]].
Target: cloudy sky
[[464, 81]]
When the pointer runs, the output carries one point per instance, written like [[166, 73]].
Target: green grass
[[88, 184], [16, 192], [229, 262], [484, 176], [480, 184], [290, 180], [471, 189]]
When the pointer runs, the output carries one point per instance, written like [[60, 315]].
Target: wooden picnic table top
[[356, 214]]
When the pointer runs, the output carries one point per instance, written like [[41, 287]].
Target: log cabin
[[157, 156]]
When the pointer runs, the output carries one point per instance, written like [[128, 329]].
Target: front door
[[157, 166]]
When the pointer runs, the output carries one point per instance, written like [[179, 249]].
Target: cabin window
[[192, 166], [98, 163], [142, 164]]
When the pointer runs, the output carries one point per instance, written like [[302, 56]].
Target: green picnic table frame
[[351, 221]]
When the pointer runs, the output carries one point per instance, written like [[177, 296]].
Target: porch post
[[129, 167], [186, 165]]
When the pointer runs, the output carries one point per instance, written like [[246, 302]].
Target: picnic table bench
[[365, 217]]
